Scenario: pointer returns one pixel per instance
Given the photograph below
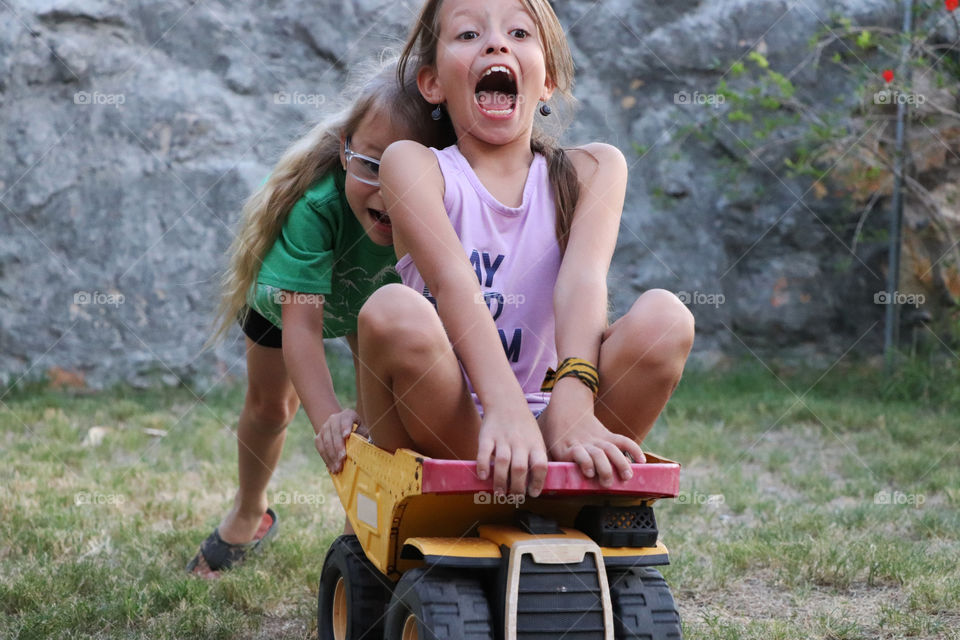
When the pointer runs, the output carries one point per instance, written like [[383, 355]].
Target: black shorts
[[260, 330]]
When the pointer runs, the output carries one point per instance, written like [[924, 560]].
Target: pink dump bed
[[654, 480]]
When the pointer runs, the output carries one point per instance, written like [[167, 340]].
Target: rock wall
[[132, 132]]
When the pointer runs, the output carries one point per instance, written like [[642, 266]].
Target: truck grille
[[559, 600]]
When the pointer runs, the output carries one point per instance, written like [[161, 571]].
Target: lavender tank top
[[516, 257]]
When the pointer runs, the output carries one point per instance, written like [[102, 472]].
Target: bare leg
[[414, 392], [270, 405], [268, 408], [641, 360]]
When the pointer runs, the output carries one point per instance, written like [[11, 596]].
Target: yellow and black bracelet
[[576, 367]]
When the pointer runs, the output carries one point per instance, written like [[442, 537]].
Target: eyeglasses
[[363, 168]]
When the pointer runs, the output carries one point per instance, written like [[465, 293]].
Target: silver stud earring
[[437, 113], [545, 109]]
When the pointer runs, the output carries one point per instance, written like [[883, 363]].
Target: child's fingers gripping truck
[[438, 556]]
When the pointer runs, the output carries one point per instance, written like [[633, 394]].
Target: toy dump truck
[[438, 556]]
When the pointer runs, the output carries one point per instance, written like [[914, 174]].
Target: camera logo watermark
[[501, 300], [293, 297], [84, 98], [697, 498], [295, 497], [701, 298], [98, 298], [700, 99], [315, 100], [94, 498], [886, 96], [499, 100], [886, 497], [885, 297], [485, 497]]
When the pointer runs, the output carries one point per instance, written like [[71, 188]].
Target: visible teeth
[[496, 68]]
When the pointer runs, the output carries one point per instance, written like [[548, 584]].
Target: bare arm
[[332, 437], [580, 295], [412, 187], [306, 363], [580, 305]]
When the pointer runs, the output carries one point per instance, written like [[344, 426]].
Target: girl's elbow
[[587, 278]]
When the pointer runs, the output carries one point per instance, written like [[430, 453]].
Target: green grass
[[836, 506], [782, 531]]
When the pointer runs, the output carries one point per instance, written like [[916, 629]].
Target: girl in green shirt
[[313, 244]]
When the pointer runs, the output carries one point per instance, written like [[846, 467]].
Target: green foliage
[[759, 58], [764, 122]]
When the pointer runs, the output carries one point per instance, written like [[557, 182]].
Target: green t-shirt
[[323, 251]]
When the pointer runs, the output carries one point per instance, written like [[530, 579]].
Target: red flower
[[952, 4], [888, 74]]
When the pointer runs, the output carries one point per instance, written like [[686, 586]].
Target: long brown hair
[[421, 51], [306, 161]]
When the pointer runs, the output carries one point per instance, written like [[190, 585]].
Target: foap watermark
[[499, 100], [315, 100], [85, 98], [700, 99], [495, 299], [294, 297], [886, 497], [295, 497], [697, 498], [95, 498], [98, 298], [701, 298], [885, 297], [485, 497], [886, 96]]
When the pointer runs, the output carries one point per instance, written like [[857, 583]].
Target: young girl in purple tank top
[[504, 243]]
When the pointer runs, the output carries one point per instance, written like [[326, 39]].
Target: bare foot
[[240, 528], [203, 570]]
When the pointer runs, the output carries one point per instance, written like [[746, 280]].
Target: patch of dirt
[[281, 627], [757, 596]]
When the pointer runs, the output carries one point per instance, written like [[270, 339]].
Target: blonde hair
[[305, 162], [421, 51]]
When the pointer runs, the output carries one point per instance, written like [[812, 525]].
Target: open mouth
[[496, 92], [379, 217]]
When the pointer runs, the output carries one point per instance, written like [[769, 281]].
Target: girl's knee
[[660, 329], [269, 413], [388, 305], [672, 313], [397, 318]]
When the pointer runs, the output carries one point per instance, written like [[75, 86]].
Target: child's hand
[[514, 441], [331, 438], [572, 433]]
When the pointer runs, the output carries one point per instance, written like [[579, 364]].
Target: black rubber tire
[[643, 607], [447, 605], [367, 592]]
